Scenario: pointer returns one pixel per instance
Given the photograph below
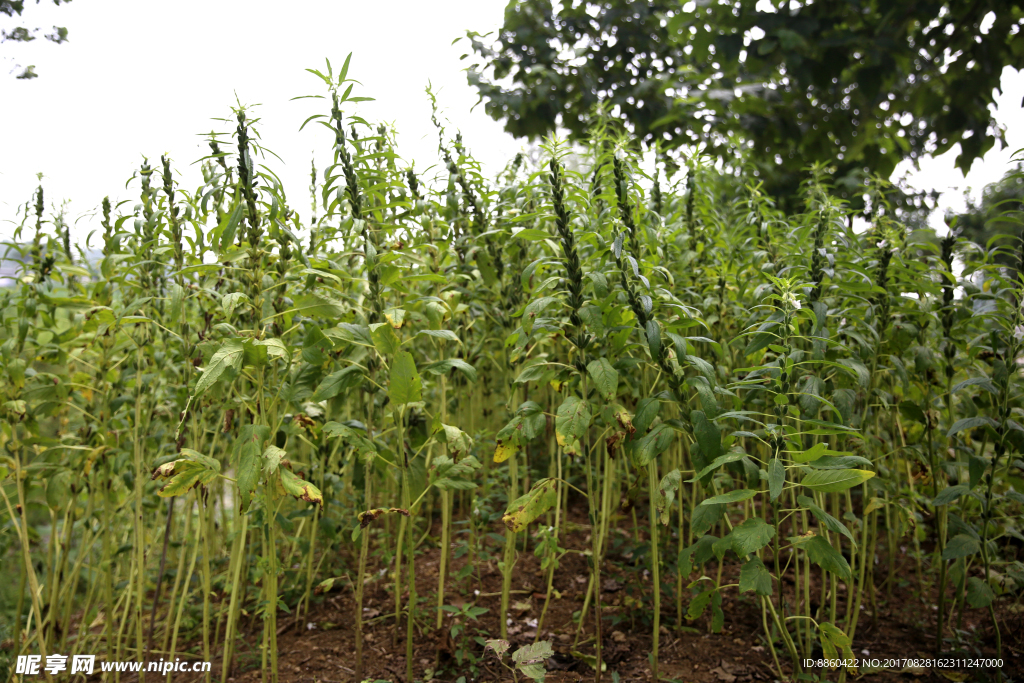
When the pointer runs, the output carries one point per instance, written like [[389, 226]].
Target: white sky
[[142, 78]]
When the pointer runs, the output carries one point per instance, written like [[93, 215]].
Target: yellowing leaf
[[299, 488], [384, 338], [504, 451], [395, 317], [529, 507]]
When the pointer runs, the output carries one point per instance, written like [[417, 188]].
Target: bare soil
[[321, 647]]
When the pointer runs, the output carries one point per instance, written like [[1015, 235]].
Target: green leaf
[[970, 423], [833, 481], [459, 442], [760, 341], [776, 478], [529, 659], [948, 495], [275, 348], [384, 338], [606, 378], [646, 410], [699, 603], [315, 305], [754, 576], [651, 446], [449, 484], [705, 517], [593, 319], [718, 462], [316, 345], [600, 284], [226, 230], [730, 497], [842, 462], [654, 339], [813, 453], [447, 335], [272, 457], [821, 553], [425, 277], [532, 234], [250, 452], [979, 593], [863, 374], [983, 382], [534, 309], [337, 382], [354, 334], [58, 489], [960, 545], [532, 373], [529, 507], [405, 386], [706, 394], [827, 520], [571, 420], [717, 615], [697, 554], [708, 435], [443, 367], [186, 474], [254, 354], [229, 302], [229, 355], [537, 672], [750, 536]]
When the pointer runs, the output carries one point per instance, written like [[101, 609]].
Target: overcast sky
[[144, 78]]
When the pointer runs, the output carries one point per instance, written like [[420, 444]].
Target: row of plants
[[232, 411]]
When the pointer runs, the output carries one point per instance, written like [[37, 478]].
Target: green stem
[[652, 481]]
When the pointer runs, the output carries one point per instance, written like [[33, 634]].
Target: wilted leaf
[[299, 488]]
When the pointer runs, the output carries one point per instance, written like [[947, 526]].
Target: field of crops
[[599, 417]]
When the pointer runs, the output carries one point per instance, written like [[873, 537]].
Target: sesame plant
[[232, 413]]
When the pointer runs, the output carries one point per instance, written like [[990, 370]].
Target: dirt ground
[[322, 649]]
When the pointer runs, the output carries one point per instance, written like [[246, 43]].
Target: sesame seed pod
[[109, 244], [172, 215], [625, 210], [574, 280]]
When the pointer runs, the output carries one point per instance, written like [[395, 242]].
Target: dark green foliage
[[861, 86]]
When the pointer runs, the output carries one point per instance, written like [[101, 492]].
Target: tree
[[862, 84], [20, 34], [998, 214]]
